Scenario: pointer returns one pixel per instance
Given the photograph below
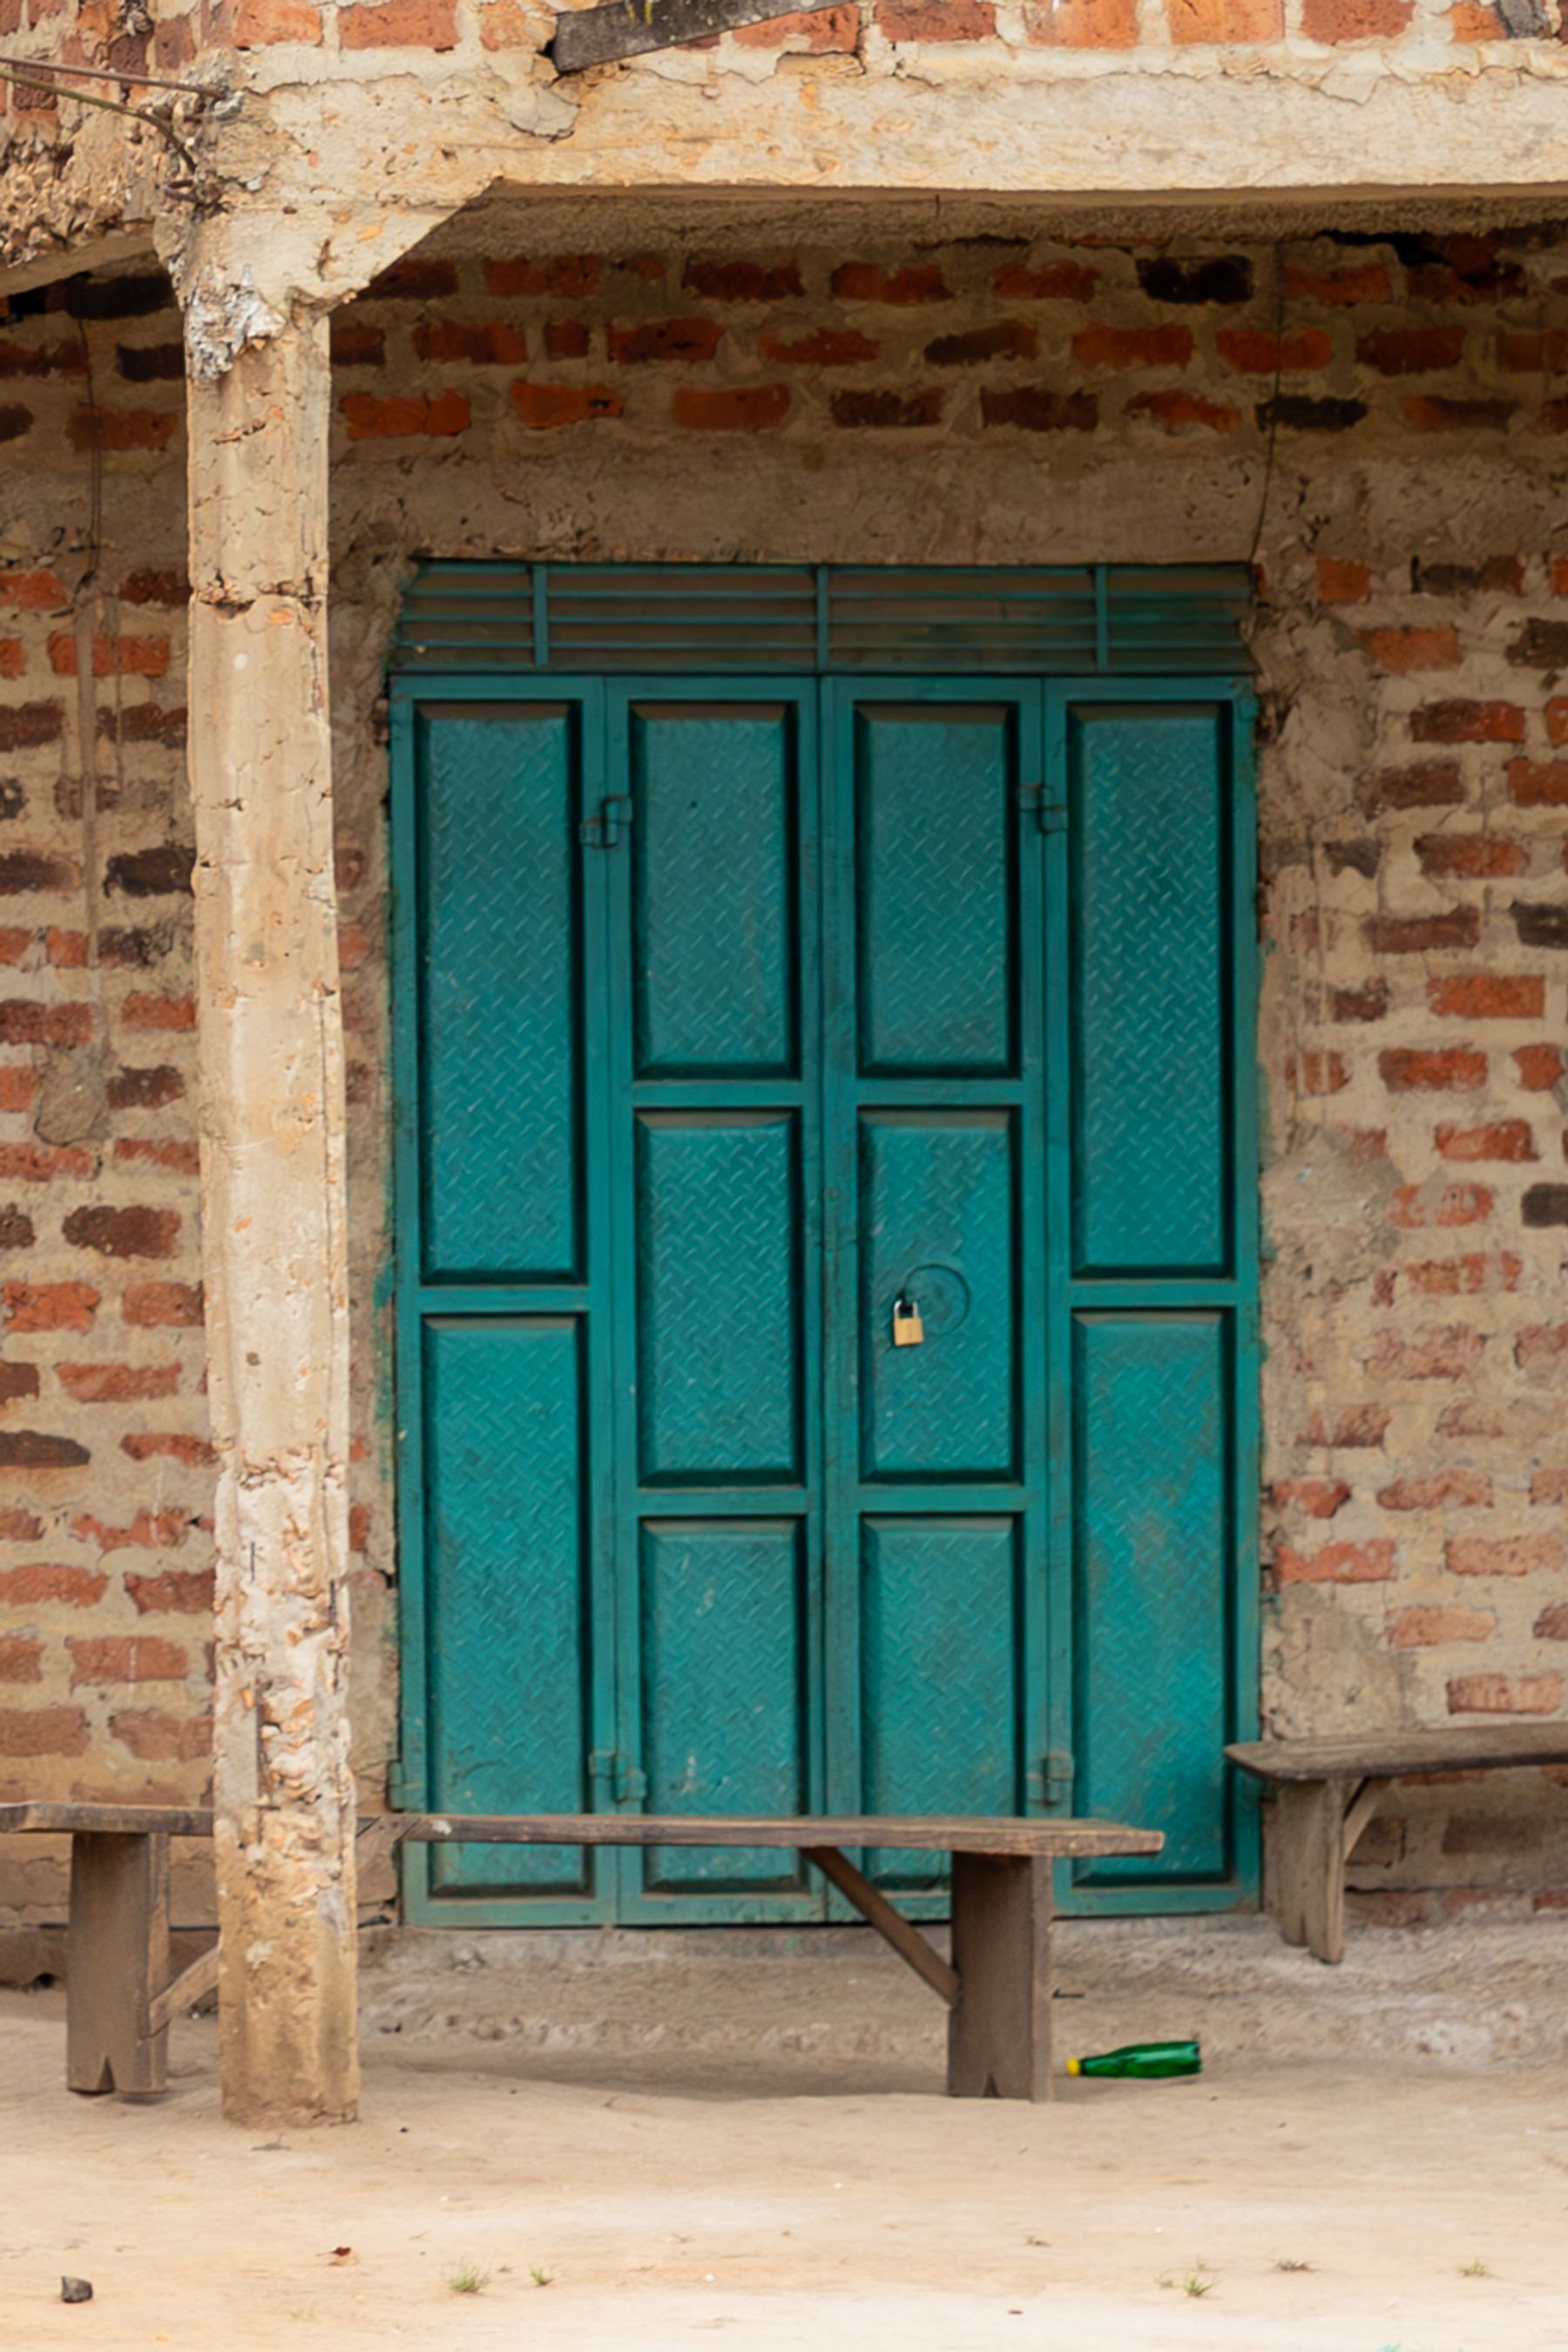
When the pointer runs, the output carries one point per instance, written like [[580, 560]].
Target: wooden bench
[[997, 1988], [1326, 1792]]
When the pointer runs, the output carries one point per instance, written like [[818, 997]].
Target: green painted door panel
[[725, 1672], [938, 1195], [715, 854], [944, 1727], [1152, 1604], [719, 1298], [500, 1134], [509, 1627], [1150, 1041]]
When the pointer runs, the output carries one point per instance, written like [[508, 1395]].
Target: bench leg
[[117, 1961], [1310, 1848], [999, 2032]]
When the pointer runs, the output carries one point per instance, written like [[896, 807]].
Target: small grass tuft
[[542, 2278], [1474, 2270], [1194, 2283], [468, 2279], [1286, 2262]]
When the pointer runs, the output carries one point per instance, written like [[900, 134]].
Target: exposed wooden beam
[[625, 28]]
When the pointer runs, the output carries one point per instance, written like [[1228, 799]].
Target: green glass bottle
[[1145, 2061]]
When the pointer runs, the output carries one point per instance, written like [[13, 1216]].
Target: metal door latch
[[627, 1785], [604, 830], [1051, 816]]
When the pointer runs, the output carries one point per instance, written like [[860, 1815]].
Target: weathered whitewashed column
[[273, 1209]]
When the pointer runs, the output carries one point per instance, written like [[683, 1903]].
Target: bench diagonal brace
[[890, 1925]]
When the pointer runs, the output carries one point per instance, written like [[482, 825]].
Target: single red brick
[[1337, 1563], [21, 1658], [417, 277], [1557, 709], [120, 430], [1436, 785], [1504, 1556], [153, 1304], [1035, 408], [42, 1731], [819, 29], [1552, 1624], [1221, 23], [1430, 1628], [1172, 410], [1316, 1072], [1410, 351], [18, 1526], [744, 408], [1540, 1067], [545, 407], [157, 1151], [67, 951], [1460, 927], [166, 1445], [1489, 996], [887, 411], [37, 1164], [125, 1658], [174, 1591], [1505, 1695], [157, 1738], [1406, 1068], [1462, 1277], [1538, 783], [823, 347], [1470, 856], [1503, 1139], [480, 342], [1403, 651], [141, 1011], [13, 658], [356, 344], [50, 1306], [1083, 24], [1462, 722], [868, 281], [936, 20], [24, 1020], [664, 338], [33, 591], [258, 24], [720, 278], [1443, 1490], [1444, 1353], [1339, 582], [1051, 281], [123, 1233], [117, 1384], [403, 415], [1006, 339], [1319, 1497], [399, 24], [1540, 1349], [566, 339], [44, 1581], [1102, 346], [1343, 288], [1427, 413], [572, 275]]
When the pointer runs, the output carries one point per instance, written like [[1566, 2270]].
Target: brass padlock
[[909, 1331]]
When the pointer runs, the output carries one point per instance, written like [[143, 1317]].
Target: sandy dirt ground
[[621, 2154]]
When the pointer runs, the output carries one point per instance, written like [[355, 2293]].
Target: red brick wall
[[995, 400]]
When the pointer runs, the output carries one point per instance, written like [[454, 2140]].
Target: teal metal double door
[[827, 1273]]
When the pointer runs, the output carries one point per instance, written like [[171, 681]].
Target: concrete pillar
[[273, 1214]]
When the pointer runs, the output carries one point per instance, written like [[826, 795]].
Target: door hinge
[[1050, 1781], [1049, 814], [604, 830], [627, 1786]]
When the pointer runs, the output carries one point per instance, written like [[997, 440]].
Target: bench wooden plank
[[1379, 1755], [1048, 1840], [108, 1821]]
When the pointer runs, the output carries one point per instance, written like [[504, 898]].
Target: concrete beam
[[273, 1208]]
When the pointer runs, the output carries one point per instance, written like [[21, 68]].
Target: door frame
[[401, 1283]]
